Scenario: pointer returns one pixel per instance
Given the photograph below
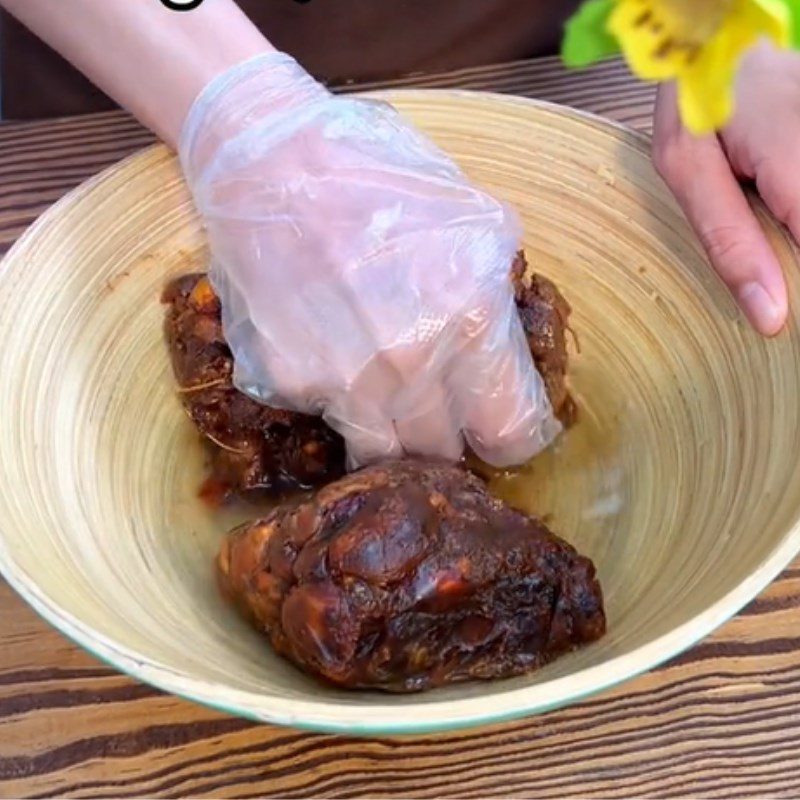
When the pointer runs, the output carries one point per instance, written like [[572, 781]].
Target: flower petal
[[770, 18], [706, 86], [705, 103], [642, 46]]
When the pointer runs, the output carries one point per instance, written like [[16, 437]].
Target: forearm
[[151, 60]]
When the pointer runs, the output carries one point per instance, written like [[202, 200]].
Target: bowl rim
[[382, 717]]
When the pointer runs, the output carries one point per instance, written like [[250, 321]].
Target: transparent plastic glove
[[362, 277]]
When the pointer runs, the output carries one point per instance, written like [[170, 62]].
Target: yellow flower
[[698, 43]]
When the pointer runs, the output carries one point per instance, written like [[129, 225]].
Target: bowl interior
[[679, 481]]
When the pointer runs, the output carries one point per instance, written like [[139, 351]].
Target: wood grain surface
[[721, 721]]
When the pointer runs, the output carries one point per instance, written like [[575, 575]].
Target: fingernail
[[762, 311]]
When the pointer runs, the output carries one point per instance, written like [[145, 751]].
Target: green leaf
[[794, 11], [586, 37]]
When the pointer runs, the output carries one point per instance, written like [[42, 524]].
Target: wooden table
[[721, 721]]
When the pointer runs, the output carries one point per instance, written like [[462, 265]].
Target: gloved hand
[[362, 277]]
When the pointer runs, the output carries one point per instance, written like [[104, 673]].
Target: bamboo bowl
[[680, 481]]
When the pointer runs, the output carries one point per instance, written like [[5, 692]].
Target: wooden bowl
[[680, 481]]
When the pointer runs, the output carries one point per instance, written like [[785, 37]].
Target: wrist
[[255, 91], [151, 60], [209, 47]]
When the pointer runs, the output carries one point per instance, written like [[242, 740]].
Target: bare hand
[[761, 144]]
